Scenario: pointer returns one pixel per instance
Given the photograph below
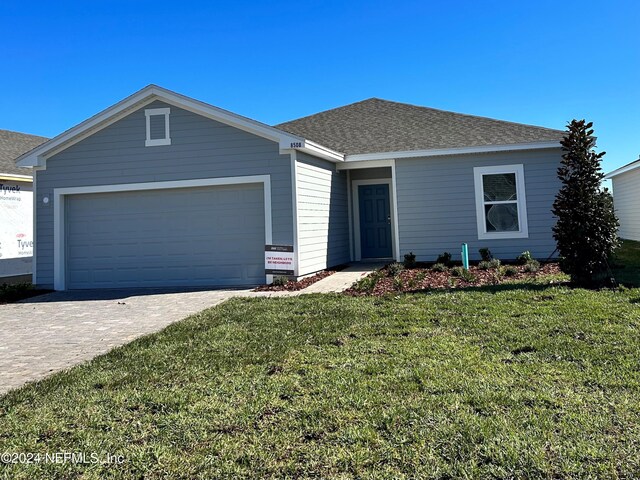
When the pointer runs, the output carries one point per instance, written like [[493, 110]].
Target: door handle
[[389, 219]]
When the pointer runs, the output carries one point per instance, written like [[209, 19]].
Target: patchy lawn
[[626, 264], [539, 382]]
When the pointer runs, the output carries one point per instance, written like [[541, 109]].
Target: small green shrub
[[485, 254], [420, 276], [445, 258], [395, 268], [532, 266], [524, 258], [280, 280], [494, 263], [439, 267], [510, 271], [409, 260], [457, 271], [398, 284], [368, 283]]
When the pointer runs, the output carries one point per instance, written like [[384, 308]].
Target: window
[[501, 207], [157, 126]]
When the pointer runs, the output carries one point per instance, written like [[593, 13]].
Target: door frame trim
[[356, 212], [59, 195]]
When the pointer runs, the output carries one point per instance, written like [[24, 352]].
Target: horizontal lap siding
[[323, 228], [626, 199], [437, 209], [200, 148]]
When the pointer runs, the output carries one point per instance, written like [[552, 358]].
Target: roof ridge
[[327, 110], [405, 104]]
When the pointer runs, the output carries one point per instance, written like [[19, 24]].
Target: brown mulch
[[423, 278], [292, 286]]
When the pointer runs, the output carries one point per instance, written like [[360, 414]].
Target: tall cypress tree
[[586, 230]]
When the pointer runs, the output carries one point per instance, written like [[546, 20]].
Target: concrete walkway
[[51, 332], [340, 281]]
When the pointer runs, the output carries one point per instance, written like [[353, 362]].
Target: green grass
[[10, 293], [626, 264], [513, 382]]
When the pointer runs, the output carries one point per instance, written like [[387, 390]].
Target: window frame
[[518, 170], [150, 112]]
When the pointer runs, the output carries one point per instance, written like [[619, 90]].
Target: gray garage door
[[206, 236]]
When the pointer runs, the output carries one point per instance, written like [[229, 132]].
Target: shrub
[[280, 280], [494, 263], [457, 271], [439, 267], [524, 258], [510, 271], [368, 283], [532, 266], [410, 260], [398, 284], [444, 258], [484, 265], [485, 254], [395, 268], [586, 230]]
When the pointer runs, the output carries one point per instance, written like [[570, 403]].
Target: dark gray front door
[[375, 221]]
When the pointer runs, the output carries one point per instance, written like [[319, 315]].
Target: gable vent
[[157, 126]]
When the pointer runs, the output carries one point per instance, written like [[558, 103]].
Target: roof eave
[[451, 151], [624, 169]]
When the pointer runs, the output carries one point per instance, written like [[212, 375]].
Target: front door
[[375, 221]]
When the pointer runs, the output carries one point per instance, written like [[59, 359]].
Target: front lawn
[[539, 382], [626, 263]]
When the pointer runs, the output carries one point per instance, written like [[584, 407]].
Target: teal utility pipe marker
[[465, 256]]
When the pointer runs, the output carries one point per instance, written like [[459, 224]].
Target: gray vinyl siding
[[437, 210], [323, 223], [200, 148], [626, 200]]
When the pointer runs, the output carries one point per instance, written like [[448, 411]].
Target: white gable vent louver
[[157, 126]]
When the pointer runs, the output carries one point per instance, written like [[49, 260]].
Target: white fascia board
[[451, 151], [38, 156], [624, 169], [311, 148], [16, 178], [353, 165]]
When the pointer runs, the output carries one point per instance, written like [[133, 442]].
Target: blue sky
[[542, 62]]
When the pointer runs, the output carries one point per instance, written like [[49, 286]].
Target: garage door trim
[[59, 194]]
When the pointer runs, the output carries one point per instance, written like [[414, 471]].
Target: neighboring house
[[163, 190], [626, 199], [16, 205]]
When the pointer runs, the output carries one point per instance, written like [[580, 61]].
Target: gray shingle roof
[[376, 125], [12, 145]]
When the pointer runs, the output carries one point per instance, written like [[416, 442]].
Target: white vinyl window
[[157, 126], [501, 207]]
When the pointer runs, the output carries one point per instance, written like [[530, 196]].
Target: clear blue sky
[[539, 62]]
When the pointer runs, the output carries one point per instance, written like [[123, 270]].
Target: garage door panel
[[206, 236]]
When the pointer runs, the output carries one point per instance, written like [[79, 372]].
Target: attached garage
[[193, 233]]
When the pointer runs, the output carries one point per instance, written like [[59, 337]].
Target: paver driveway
[[55, 331]]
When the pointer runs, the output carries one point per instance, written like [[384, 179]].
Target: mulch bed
[[423, 278], [292, 286]]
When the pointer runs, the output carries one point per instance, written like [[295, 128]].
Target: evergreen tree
[[586, 230]]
